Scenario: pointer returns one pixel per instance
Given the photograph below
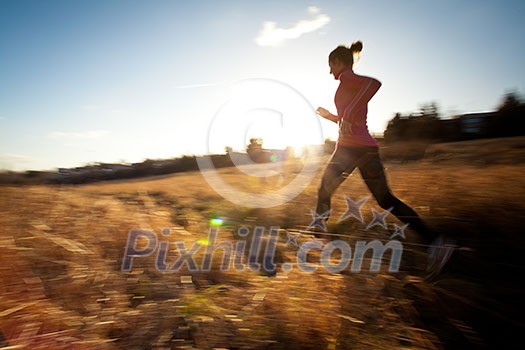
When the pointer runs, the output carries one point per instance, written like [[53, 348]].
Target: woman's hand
[[323, 112]]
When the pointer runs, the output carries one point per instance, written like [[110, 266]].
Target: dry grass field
[[61, 284]]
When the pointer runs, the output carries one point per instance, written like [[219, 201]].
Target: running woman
[[355, 147]]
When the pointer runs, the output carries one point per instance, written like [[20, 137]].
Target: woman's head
[[343, 57]]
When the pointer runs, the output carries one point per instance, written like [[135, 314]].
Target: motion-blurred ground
[[61, 286]]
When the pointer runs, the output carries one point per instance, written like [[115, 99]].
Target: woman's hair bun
[[357, 46]]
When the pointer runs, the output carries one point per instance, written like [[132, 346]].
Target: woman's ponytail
[[346, 54], [356, 47]]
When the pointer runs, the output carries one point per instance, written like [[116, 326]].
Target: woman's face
[[336, 68]]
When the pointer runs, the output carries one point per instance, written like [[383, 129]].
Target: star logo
[[399, 231], [379, 218], [319, 220], [292, 238], [353, 209]]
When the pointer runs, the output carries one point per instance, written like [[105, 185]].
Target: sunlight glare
[[269, 110]]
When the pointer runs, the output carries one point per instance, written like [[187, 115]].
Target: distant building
[[475, 124]]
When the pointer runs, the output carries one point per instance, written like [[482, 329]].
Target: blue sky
[[114, 81]]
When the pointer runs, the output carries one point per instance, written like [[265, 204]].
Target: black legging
[[343, 161]]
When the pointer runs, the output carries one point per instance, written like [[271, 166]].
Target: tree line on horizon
[[423, 126], [427, 125]]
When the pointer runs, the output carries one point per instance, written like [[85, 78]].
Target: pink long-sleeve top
[[351, 101]]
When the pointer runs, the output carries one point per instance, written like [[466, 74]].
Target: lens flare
[[216, 222]]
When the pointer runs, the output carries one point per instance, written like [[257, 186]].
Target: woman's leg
[[374, 175], [340, 166]]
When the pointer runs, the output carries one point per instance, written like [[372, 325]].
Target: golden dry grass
[[61, 286]]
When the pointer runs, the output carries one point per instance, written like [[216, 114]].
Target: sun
[[269, 110]]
